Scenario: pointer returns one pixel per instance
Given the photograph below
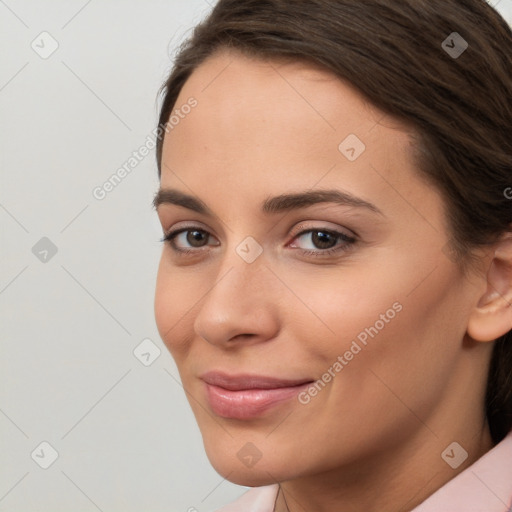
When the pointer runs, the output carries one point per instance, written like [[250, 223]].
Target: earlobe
[[491, 318]]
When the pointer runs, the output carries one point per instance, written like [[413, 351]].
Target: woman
[[336, 279]]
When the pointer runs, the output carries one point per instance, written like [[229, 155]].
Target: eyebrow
[[271, 205]]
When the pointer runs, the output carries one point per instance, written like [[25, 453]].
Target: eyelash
[[348, 242]]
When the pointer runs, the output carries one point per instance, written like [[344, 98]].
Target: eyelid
[[188, 225], [321, 226], [297, 230]]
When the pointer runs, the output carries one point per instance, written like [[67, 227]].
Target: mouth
[[248, 396]]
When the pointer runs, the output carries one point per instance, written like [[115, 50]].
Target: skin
[[372, 438]]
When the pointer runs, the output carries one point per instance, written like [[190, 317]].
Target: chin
[[248, 477], [231, 468]]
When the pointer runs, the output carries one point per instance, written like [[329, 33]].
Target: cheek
[[397, 350], [386, 320], [339, 307], [175, 296]]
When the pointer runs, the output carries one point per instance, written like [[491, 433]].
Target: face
[[304, 292]]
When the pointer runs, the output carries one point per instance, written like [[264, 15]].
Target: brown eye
[[196, 238], [323, 239], [322, 242], [188, 239]]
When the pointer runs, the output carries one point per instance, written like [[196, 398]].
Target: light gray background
[[124, 432]]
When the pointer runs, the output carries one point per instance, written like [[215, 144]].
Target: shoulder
[[257, 499]]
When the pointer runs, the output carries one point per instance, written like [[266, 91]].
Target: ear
[[491, 318]]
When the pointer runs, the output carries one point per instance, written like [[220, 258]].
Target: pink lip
[[248, 396]]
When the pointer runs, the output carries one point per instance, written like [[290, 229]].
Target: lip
[[245, 396]]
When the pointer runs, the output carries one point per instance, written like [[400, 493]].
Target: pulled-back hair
[[397, 54]]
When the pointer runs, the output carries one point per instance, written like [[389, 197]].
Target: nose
[[241, 304]]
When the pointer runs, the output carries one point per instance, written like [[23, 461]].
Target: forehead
[[267, 126], [249, 102], [232, 85]]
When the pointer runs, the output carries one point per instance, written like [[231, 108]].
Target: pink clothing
[[485, 486]]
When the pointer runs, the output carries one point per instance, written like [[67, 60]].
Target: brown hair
[[460, 105]]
